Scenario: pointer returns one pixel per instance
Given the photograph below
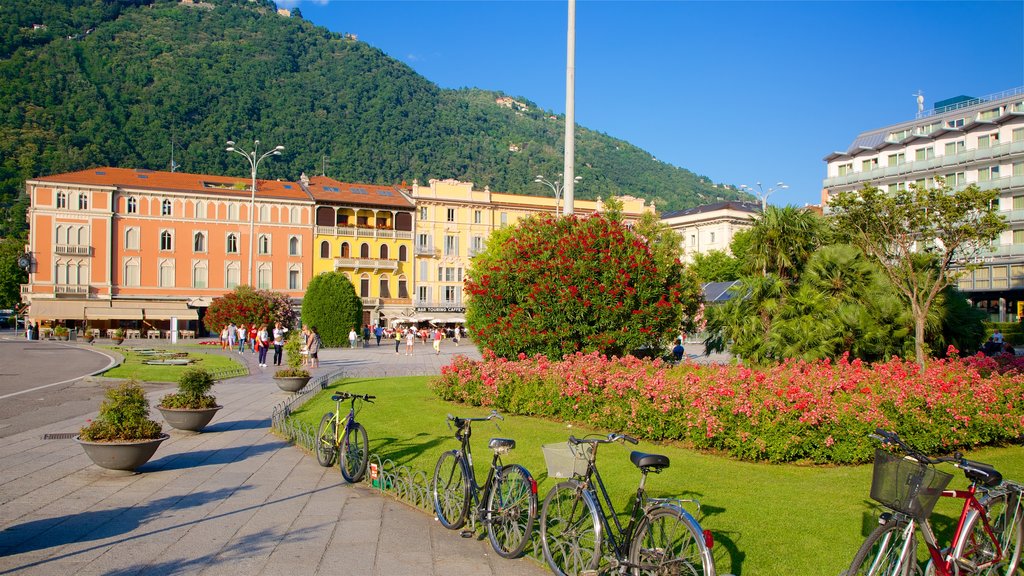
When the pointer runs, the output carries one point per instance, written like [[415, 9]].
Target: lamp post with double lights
[[254, 162], [763, 194], [557, 186]]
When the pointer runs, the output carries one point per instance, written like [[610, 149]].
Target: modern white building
[[965, 140], [711, 226]]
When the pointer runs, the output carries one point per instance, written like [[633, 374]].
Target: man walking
[[279, 332], [378, 332]]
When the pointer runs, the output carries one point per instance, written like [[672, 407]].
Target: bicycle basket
[[906, 485], [564, 460]]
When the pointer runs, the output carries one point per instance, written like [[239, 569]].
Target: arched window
[[264, 213], [385, 286], [294, 219], [60, 235], [131, 239], [199, 243], [364, 285], [83, 236], [62, 200], [132, 205], [199, 275], [166, 241], [383, 251], [403, 253], [325, 249], [131, 272], [403, 287], [364, 250], [201, 209], [165, 208], [293, 246], [232, 246], [264, 244], [83, 201], [167, 273], [345, 250], [231, 275], [232, 211]]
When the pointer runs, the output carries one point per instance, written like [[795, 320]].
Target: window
[[1018, 202], [362, 221], [264, 244], [476, 245], [263, 277], [452, 274], [451, 245], [955, 147], [478, 217], [167, 273], [264, 213], [452, 294], [504, 218], [165, 208], [166, 241], [989, 114], [423, 212], [423, 241], [988, 173], [293, 246], [62, 200], [295, 216], [232, 246], [364, 250], [958, 123], [403, 287], [403, 253], [294, 280], [199, 275], [1018, 135], [1018, 168], [451, 215], [325, 249], [83, 201], [131, 205], [131, 239], [131, 272], [424, 294], [844, 169], [869, 164], [201, 209], [385, 287], [231, 275], [896, 187], [199, 242], [897, 159], [712, 238], [955, 179], [988, 140], [899, 136], [423, 271], [346, 250], [384, 252], [693, 239], [924, 153], [364, 286], [1018, 236]]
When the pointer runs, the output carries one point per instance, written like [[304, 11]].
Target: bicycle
[[661, 537], [506, 503], [349, 440], [988, 536]]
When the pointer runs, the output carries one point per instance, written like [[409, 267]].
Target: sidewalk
[[235, 499]]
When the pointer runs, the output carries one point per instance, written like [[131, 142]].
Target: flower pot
[[118, 341], [291, 383], [189, 419], [121, 455]]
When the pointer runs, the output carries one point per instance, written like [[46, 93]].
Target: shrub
[[193, 391], [332, 305], [245, 305], [124, 416], [294, 357], [816, 411]]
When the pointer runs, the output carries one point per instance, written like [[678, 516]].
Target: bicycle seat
[[501, 445], [981, 473], [655, 461]]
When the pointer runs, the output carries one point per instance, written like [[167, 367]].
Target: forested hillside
[[90, 82]]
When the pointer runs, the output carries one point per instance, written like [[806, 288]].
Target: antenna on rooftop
[[920, 103], [174, 165]]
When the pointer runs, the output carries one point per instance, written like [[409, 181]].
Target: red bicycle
[[988, 535]]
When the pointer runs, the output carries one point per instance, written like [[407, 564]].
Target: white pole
[[570, 112]]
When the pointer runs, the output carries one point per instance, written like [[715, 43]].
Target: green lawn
[[768, 520], [133, 366]]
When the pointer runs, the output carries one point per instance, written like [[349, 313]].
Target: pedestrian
[[455, 336], [278, 334], [366, 336], [253, 330], [305, 345], [437, 341], [224, 338], [232, 335], [398, 340], [378, 332], [313, 347], [410, 341], [997, 337], [242, 337], [262, 344], [352, 338], [678, 351]]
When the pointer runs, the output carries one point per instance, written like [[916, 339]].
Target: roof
[[738, 205], [181, 182], [329, 190], [719, 291]]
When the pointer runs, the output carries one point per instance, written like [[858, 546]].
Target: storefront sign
[[440, 309]]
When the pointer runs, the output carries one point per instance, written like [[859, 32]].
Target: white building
[[711, 226], [967, 141]]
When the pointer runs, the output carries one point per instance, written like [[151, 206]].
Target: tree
[[782, 240], [12, 276], [917, 235], [715, 266], [559, 285], [333, 307], [244, 305]]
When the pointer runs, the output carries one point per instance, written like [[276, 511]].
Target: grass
[[768, 520], [133, 366]]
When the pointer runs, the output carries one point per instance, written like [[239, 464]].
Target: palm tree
[[781, 241]]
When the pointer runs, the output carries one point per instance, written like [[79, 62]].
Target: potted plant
[[60, 332], [87, 335], [122, 437], [191, 407], [118, 336], [295, 377]]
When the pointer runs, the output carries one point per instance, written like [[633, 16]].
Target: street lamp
[[557, 186], [763, 195], [254, 162]]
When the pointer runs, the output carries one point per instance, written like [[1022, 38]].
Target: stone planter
[[118, 341], [291, 383], [192, 420], [121, 455]]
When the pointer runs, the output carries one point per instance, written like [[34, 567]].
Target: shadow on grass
[[404, 451]]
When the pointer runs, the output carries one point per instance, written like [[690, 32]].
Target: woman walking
[[410, 341], [262, 345], [313, 346]]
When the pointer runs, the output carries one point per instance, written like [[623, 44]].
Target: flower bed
[[818, 411]]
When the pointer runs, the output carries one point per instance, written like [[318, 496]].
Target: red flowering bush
[[560, 285], [820, 411], [245, 305]]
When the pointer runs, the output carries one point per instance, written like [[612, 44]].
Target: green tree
[[244, 305], [917, 235], [560, 285], [781, 241], [715, 266], [333, 307], [12, 276]]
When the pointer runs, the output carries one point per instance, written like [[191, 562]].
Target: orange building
[[134, 248]]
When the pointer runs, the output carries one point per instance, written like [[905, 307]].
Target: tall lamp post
[[557, 186], [763, 194], [254, 163]]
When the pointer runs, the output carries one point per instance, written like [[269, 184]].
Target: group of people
[[257, 339], [409, 334], [997, 345], [310, 347]]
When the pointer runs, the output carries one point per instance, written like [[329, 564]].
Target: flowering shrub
[[821, 411], [245, 305]]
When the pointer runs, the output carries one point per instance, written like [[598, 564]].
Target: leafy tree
[[244, 305], [917, 235], [12, 276], [333, 307], [781, 241], [559, 285], [715, 266]]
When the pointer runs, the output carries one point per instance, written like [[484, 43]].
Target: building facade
[[710, 227], [965, 141]]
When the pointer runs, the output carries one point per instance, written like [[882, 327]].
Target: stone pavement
[[234, 499]]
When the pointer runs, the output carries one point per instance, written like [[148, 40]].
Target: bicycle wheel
[[1006, 518], [668, 541], [570, 530], [326, 450], [450, 491], [512, 510], [355, 453], [882, 552]]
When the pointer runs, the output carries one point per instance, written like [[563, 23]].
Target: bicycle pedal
[[466, 533]]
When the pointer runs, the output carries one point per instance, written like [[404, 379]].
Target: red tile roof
[[330, 191]]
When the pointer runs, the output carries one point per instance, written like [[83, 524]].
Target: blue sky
[[740, 92]]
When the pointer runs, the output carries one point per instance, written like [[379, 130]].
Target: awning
[[57, 309], [164, 314], [113, 313]]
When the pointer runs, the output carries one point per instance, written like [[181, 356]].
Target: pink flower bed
[[818, 411]]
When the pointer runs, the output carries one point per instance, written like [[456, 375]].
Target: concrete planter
[[291, 383], [192, 420], [121, 455]]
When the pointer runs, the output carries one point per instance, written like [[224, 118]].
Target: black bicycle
[[349, 439], [660, 538], [506, 503]]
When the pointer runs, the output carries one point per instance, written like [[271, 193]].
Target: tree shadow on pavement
[[217, 457]]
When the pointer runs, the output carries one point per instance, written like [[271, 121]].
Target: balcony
[[72, 250], [370, 302], [426, 250], [366, 263], [71, 290], [26, 288], [361, 232]]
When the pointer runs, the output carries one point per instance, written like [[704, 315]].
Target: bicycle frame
[[477, 492], [944, 566], [618, 539]]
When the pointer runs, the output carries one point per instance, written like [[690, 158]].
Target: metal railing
[[72, 250], [989, 99], [920, 167], [71, 289], [375, 263]]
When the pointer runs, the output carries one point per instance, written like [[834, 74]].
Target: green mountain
[[91, 82]]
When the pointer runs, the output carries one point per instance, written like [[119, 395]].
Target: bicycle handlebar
[[463, 422], [887, 437], [348, 395], [613, 437]]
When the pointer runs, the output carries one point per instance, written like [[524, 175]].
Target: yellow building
[[453, 222], [366, 232]]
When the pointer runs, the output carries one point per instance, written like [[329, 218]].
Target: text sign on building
[[440, 309]]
